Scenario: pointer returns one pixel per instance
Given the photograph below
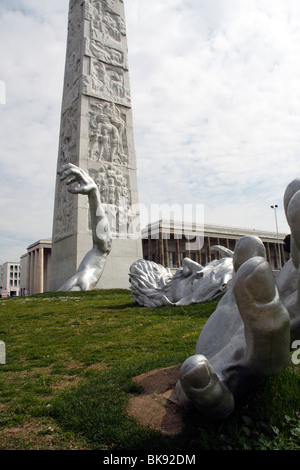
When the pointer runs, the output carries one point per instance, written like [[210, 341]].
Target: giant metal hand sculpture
[[249, 335], [92, 265], [289, 277]]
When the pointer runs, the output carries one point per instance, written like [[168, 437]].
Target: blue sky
[[216, 107]]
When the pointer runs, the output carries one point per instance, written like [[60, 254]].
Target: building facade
[[35, 268], [10, 279], [168, 242], [165, 242]]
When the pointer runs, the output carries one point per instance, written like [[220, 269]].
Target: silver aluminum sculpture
[[153, 285], [92, 265], [248, 337]]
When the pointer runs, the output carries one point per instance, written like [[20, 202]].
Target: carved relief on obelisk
[[97, 135]]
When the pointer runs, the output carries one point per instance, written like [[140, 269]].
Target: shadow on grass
[[97, 411], [119, 306]]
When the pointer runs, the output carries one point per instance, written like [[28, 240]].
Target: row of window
[[15, 268], [182, 255], [173, 259], [14, 275], [193, 255]]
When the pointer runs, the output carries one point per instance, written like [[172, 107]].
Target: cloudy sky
[[215, 88]]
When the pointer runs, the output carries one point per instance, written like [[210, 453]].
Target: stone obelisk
[[96, 134]]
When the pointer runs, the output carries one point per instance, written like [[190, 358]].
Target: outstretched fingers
[[266, 320], [67, 169], [70, 170], [293, 218], [73, 175]]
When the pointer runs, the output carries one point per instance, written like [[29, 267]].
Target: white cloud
[[32, 65], [222, 109], [216, 99]]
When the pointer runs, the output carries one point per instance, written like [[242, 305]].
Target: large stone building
[[35, 268], [10, 279], [168, 242], [164, 242]]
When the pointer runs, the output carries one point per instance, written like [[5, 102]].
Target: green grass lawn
[[68, 378]]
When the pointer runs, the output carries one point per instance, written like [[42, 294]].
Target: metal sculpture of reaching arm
[[249, 336], [92, 265]]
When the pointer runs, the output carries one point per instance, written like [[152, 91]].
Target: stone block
[[2, 353]]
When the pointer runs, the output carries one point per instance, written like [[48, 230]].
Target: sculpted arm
[[92, 265]]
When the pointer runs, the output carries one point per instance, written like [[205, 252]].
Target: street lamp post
[[279, 256]]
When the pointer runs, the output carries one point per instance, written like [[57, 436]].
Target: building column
[[40, 274], [188, 251], [277, 255], [36, 272], [198, 256], [31, 277], [161, 249], [177, 252], [208, 250], [282, 254], [166, 252], [157, 257], [268, 252], [27, 281]]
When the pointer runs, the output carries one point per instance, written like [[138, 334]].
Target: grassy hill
[[68, 378]]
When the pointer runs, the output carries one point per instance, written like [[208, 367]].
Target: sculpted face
[[198, 283], [154, 285]]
